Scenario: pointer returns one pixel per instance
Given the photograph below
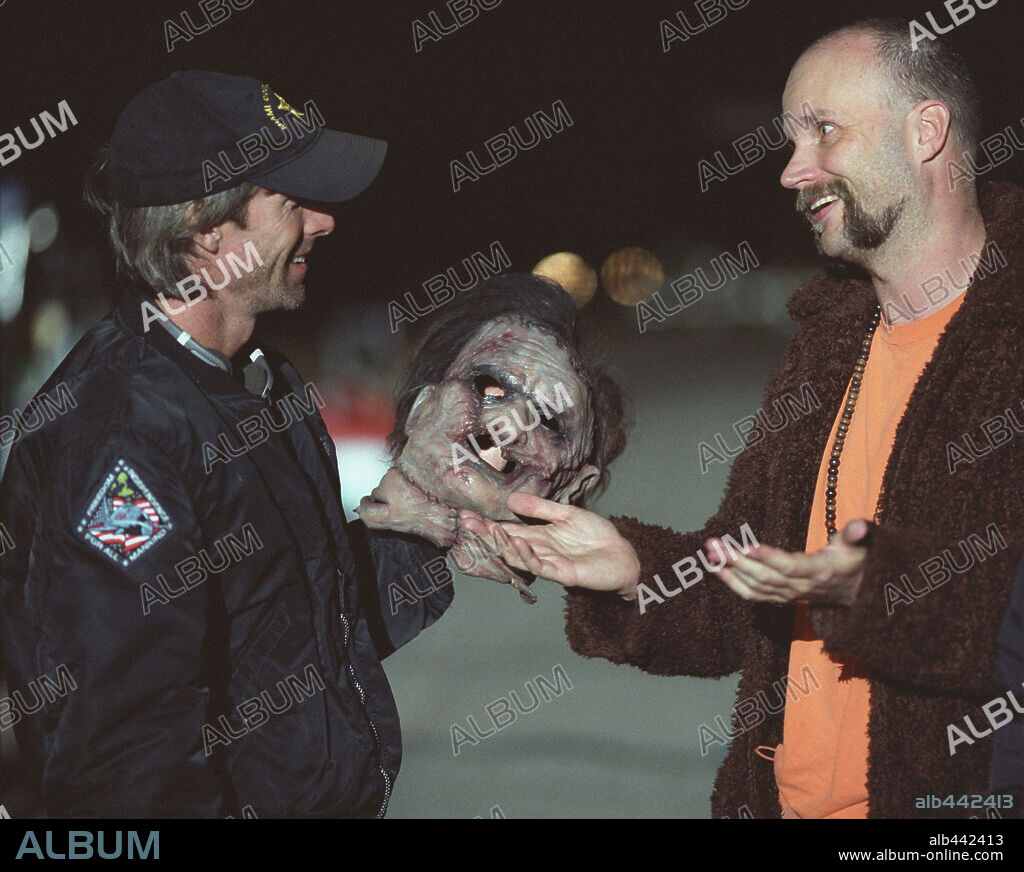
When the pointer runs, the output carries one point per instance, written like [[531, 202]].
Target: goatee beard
[[864, 232]]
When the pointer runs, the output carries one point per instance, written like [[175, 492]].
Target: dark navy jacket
[[190, 627], [1008, 753]]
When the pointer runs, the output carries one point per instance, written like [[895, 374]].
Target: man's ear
[[931, 121], [579, 486], [417, 406], [208, 238]]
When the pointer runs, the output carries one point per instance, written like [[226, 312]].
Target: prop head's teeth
[[489, 453]]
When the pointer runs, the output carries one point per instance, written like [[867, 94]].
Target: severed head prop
[[497, 398]]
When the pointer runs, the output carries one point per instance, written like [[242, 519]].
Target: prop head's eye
[[458, 448], [488, 386]]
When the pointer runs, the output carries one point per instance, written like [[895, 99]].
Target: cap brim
[[338, 167]]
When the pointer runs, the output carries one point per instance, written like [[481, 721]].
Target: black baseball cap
[[196, 133]]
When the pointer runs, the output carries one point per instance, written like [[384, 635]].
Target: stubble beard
[[270, 292], [862, 231]]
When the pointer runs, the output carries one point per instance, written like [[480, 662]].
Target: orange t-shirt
[[822, 764]]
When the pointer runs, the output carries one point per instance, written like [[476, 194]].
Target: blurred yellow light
[[50, 328], [43, 226], [632, 275], [572, 272]]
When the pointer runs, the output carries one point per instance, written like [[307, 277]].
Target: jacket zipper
[[325, 444], [376, 735]]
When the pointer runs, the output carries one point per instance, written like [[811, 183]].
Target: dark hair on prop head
[[540, 303]]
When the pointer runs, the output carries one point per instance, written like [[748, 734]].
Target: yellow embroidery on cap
[[282, 105]]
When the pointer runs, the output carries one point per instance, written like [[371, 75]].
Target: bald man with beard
[[890, 519]]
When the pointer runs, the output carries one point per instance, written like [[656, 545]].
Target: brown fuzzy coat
[[931, 660]]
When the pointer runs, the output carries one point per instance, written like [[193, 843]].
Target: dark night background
[[624, 174]]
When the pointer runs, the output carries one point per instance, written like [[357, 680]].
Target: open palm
[[576, 548]]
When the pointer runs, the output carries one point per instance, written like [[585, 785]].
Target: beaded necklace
[[844, 427]]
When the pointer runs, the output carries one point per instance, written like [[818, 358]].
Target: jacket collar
[[207, 377], [996, 296]]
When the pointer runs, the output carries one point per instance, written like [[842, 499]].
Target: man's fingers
[[855, 532], [498, 538], [516, 546], [501, 543], [529, 557], [539, 536], [532, 506], [777, 576], [717, 551], [765, 576], [495, 531], [783, 562], [469, 515], [487, 529], [747, 587], [554, 567], [736, 584], [475, 524]]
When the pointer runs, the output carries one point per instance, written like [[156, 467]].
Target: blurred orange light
[[572, 272], [632, 275]]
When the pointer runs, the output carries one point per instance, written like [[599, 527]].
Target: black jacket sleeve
[[1008, 752], [404, 584], [125, 694]]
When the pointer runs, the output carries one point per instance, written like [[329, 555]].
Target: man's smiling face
[[849, 164], [282, 231]]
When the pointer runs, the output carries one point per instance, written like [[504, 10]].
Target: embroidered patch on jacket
[[124, 519]]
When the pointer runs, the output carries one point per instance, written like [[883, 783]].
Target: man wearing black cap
[[191, 627]]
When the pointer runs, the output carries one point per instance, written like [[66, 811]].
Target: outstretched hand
[[576, 548], [831, 576]]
